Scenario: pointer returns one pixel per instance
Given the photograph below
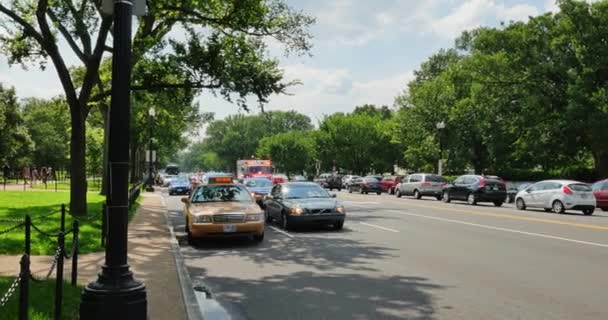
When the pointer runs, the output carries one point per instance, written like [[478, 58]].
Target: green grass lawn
[[16, 204], [42, 300]]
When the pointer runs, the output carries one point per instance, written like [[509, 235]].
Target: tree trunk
[[78, 177], [601, 163]]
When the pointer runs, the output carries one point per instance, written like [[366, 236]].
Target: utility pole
[[116, 294]]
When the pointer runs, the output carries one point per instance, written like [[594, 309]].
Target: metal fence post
[[62, 218], [28, 234], [59, 279], [75, 249], [24, 287]]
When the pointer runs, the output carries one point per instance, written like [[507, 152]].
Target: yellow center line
[[509, 216]]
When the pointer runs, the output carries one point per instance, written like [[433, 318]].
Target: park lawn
[[15, 204], [42, 300]]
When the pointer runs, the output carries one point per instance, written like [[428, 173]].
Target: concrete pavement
[[413, 259]]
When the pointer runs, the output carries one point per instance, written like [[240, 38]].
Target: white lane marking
[[540, 235], [379, 227], [360, 202], [281, 231]]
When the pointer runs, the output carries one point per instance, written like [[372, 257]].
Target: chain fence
[[11, 290]]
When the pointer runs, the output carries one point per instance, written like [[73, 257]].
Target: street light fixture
[[440, 126], [116, 294]]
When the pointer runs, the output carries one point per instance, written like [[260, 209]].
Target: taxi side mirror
[[186, 200]]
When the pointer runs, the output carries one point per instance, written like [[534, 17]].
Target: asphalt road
[[413, 259]]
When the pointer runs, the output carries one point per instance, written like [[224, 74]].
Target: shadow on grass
[[308, 295]]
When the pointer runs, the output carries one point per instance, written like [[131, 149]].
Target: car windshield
[[258, 183], [304, 191], [371, 179], [580, 187], [221, 194]]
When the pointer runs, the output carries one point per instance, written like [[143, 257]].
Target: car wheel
[[398, 193], [498, 203], [438, 198], [446, 197], [189, 238], [417, 194], [588, 212], [520, 204], [350, 190], [378, 193], [339, 189], [471, 199], [331, 189], [338, 225], [361, 191], [391, 191], [366, 192], [604, 209], [558, 207], [285, 221], [258, 238]]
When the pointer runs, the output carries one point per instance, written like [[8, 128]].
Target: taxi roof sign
[[213, 180]]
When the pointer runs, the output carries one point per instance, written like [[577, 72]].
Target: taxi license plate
[[229, 228]]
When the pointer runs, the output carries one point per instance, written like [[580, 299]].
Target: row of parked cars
[[551, 195]]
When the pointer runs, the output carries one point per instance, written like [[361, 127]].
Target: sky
[[365, 51]]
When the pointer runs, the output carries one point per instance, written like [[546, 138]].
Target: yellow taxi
[[222, 208]]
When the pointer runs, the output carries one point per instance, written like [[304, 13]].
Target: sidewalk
[[150, 256]]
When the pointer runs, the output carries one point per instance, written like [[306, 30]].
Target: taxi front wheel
[[258, 237]]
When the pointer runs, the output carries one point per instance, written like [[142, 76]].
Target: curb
[[193, 310]]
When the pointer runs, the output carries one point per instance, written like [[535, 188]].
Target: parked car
[[513, 189], [365, 185], [474, 189], [600, 191], [389, 183], [322, 179], [347, 180], [334, 182], [297, 203], [557, 196], [180, 185], [421, 185], [167, 179], [279, 178]]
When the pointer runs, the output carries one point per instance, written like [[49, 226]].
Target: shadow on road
[[308, 295]]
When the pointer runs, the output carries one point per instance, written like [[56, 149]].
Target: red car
[[389, 183], [279, 178], [600, 191]]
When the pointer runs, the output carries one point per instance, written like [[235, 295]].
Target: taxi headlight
[[254, 217], [202, 219], [340, 209], [296, 210]]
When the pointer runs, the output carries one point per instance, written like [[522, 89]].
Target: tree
[[229, 57], [15, 142], [238, 136], [291, 152], [47, 122], [383, 112], [357, 142]]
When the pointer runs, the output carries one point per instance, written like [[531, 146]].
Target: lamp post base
[[114, 298]]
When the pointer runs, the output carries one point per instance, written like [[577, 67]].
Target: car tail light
[[443, 184], [482, 182], [567, 190], [425, 184]]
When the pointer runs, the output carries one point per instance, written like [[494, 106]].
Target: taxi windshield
[[221, 194], [304, 192]]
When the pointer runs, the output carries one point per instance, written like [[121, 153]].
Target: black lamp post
[[151, 115], [116, 294], [440, 126]]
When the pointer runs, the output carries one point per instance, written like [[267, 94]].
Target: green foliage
[[357, 142], [291, 152], [238, 136], [15, 141], [526, 95], [42, 300], [48, 124]]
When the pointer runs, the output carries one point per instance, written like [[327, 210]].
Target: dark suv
[[474, 189]]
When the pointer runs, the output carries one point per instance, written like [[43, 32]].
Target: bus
[[172, 169]]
